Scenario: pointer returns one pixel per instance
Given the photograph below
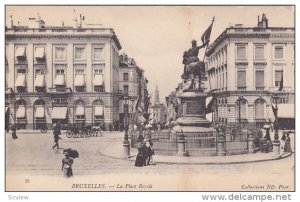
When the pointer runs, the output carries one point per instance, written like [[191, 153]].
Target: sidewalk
[[116, 151]]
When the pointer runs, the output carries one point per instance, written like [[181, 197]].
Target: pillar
[[221, 145]]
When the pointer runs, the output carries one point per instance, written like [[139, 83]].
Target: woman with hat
[[67, 162]]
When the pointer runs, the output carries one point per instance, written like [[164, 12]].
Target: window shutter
[[259, 78]]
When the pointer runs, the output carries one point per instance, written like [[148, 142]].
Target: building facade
[[61, 74], [249, 70], [133, 88], [157, 110]]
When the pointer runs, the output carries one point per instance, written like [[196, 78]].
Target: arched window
[[39, 113], [260, 109], [79, 111], [20, 114], [98, 112]]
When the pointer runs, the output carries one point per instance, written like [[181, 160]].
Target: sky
[[157, 36]]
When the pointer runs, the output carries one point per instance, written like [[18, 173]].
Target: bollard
[[181, 145], [126, 146], [276, 149], [221, 145], [250, 144], [126, 149]]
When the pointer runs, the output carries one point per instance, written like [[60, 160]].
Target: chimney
[[11, 22], [258, 21], [75, 20]]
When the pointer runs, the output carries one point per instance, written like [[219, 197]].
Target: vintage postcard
[[149, 98]]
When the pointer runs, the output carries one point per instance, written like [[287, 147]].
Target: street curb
[[130, 158]]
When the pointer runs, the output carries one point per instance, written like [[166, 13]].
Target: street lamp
[[132, 99], [276, 136], [239, 102], [126, 142]]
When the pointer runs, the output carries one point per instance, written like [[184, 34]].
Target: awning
[[40, 53], [286, 111], [59, 113], [99, 111], [21, 112], [40, 80], [209, 105], [79, 80], [59, 80], [40, 112], [21, 80], [98, 80], [209, 117], [21, 52], [79, 111]]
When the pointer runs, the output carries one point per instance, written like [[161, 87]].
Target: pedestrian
[[139, 161], [287, 145], [282, 141], [14, 133], [67, 162], [150, 153], [283, 135], [56, 133]]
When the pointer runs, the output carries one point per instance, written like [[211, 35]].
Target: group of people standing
[[145, 154], [286, 141]]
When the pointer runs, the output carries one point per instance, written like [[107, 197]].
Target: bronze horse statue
[[193, 67]]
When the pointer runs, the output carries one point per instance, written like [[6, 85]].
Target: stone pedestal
[[221, 146], [193, 101], [276, 149]]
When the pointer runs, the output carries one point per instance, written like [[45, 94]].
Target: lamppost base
[[126, 148], [276, 149]]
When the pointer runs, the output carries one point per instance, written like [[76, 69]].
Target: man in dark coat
[[56, 133]]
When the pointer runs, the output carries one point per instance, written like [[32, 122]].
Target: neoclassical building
[[133, 87], [68, 74], [248, 67]]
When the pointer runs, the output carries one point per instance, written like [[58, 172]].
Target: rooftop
[[251, 32]]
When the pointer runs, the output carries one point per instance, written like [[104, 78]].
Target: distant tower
[[156, 95]]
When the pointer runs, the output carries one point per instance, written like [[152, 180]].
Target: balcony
[[242, 88], [260, 88], [60, 90]]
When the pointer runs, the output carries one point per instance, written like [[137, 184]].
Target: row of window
[[60, 52], [259, 51], [259, 79], [220, 57], [59, 112], [220, 79], [259, 109]]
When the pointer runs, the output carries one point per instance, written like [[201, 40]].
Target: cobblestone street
[[31, 156]]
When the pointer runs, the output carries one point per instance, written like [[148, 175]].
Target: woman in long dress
[[287, 145], [139, 161], [67, 162]]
